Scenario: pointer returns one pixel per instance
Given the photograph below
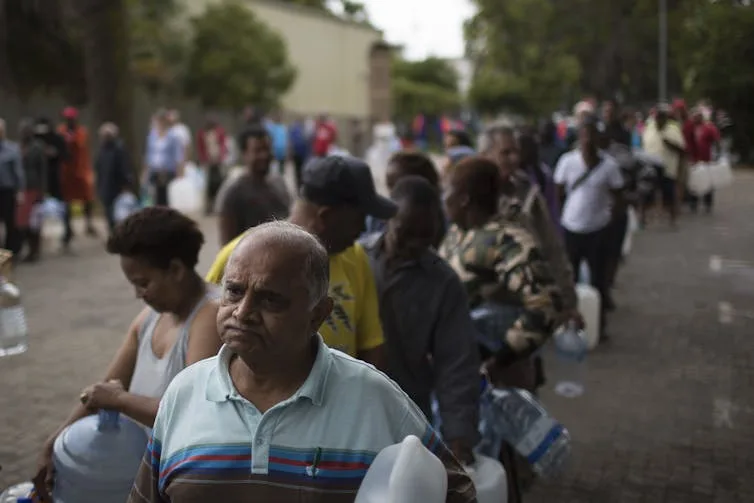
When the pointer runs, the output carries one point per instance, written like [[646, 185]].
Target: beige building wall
[[332, 57]]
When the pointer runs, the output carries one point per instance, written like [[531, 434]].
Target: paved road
[[668, 415]]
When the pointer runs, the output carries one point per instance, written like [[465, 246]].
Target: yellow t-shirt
[[354, 324]]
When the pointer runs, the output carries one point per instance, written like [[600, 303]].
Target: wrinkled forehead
[[268, 262]]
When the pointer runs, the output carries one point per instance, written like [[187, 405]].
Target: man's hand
[[576, 317], [462, 451], [105, 395]]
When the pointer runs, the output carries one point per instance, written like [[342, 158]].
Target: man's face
[[450, 140], [265, 313], [698, 117], [2, 130], [413, 230], [454, 199], [505, 154], [339, 227], [661, 118], [258, 155], [588, 136], [392, 175], [608, 111]]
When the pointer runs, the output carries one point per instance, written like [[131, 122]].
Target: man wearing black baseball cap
[[337, 193]]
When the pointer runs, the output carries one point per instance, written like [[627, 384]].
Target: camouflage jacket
[[535, 217], [501, 262]]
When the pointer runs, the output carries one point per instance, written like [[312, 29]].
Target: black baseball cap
[[340, 180]]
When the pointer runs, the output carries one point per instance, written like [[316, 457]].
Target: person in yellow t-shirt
[[336, 195]]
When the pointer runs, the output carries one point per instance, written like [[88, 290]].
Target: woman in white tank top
[[158, 249]]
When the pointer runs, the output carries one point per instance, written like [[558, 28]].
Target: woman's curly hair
[[157, 235]]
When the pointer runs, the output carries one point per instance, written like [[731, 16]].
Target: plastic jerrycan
[[589, 307], [96, 459], [404, 473], [489, 479]]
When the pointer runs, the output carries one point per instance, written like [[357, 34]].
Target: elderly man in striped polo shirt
[[277, 416]]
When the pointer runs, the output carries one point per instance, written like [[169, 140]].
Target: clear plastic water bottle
[[492, 321], [571, 347], [19, 493], [516, 417], [13, 328]]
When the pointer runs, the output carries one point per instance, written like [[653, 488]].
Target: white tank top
[[151, 374]]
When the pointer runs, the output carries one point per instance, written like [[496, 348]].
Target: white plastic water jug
[[489, 480], [96, 459], [631, 229], [589, 307], [184, 195], [721, 173], [700, 179], [585, 274], [404, 473]]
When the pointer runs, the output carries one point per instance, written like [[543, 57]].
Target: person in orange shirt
[[76, 176]]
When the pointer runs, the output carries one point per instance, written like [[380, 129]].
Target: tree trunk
[[103, 26]]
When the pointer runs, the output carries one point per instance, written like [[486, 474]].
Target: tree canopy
[[533, 56], [429, 86], [569, 48], [236, 59]]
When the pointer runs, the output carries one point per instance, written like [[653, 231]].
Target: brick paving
[[668, 415]]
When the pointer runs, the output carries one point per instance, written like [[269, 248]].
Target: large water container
[[404, 473], [589, 307], [96, 459], [185, 194], [489, 480], [13, 328]]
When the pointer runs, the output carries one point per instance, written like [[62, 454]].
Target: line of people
[[399, 298], [47, 161]]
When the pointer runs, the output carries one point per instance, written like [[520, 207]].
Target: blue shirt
[[279, 136], [11, 168], [299, 140], [163, 153]]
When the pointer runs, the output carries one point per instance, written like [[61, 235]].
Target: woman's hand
[[44, 478], [105, 395]]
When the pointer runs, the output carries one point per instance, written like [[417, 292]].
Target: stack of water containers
[[512, 415]]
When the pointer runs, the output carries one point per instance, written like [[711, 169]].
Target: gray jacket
[[11, 168], [429, 337]]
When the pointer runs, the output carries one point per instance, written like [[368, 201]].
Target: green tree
[[429, 86], [714, 66], [236, 59], [519, 64], [159, 48]]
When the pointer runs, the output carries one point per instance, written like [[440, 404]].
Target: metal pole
[[663, 52]]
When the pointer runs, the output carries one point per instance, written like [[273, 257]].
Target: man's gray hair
[[316, 266]]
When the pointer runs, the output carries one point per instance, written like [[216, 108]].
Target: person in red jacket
[[706, 137], [325, 136], [211, 150]]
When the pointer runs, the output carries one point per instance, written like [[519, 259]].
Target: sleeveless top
[[151, 374]]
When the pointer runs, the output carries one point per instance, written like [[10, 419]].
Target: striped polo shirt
[[211, 444]]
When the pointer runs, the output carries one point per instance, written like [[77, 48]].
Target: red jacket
[[201, 146]]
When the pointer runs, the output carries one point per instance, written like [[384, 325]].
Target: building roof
[[314, 12]]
